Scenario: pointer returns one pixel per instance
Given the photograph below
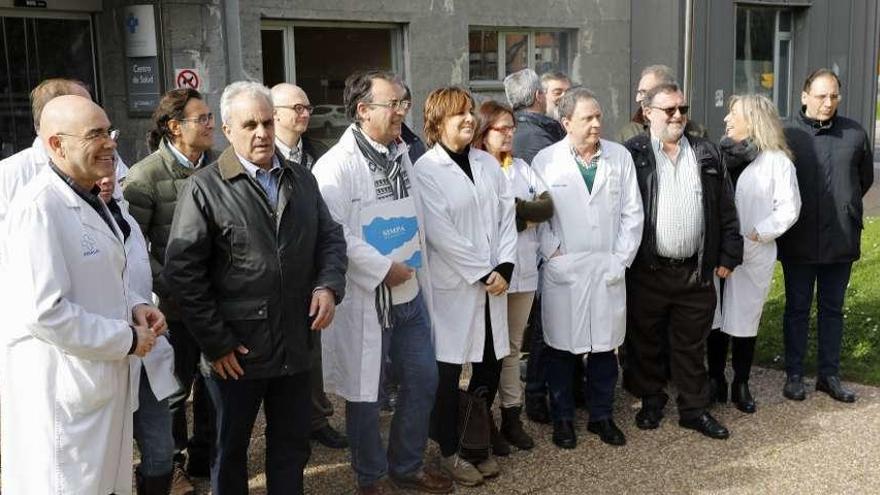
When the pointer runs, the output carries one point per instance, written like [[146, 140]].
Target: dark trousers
[[601, 374], [321, 406], [186, 368], [536, 366], [829, 282], [484, 382], [669, 303], [286, 402], [742, 356]]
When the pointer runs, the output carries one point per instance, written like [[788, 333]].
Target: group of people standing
[[272, 288]]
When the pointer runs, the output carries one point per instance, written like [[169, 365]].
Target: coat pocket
[[84, 386], [238, 238], [246, 319]]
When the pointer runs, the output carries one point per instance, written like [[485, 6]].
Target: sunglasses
[[670, 112]]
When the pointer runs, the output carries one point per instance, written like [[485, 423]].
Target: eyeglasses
[[395, 105], [299, 109], [201, 119], [104, 134], [670, 112], [504, 128]]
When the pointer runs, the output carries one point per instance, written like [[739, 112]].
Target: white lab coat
[[66, 415], [352, 344], [470, 230], [17, 170], [767, 201], [526, 185], [598, 234]]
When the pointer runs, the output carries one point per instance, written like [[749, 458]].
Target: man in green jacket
[[182, 136]]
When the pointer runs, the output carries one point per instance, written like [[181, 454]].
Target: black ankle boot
[[500, 447], [742, 397], [718, 390], [512, 428], [153, 485]]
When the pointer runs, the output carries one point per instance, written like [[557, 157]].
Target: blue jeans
[[830, 281], [287, 404], [601, 376], [412, 358], [152, 431]]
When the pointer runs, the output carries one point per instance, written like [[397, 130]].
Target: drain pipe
[[688, 45], [232, 24]]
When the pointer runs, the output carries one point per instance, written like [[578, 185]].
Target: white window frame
[[501, 55]]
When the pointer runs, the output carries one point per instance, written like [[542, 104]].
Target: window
[[496, 53], [33, 49], [319, 56], [763, 54]]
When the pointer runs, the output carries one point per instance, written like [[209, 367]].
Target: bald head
[[292, 112], [76, 133]]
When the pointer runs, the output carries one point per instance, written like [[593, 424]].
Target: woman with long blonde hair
[[768, 203]]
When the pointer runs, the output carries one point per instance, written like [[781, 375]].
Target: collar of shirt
[[392, 151], [252, 169], [294, 154], [683, 146], [181, 158], [594, 161]]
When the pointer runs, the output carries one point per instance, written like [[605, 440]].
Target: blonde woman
[[768, 203]]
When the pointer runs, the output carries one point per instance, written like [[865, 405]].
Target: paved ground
[[816, 446]]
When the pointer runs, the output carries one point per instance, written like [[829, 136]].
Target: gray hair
[[553, 76], [663, 73], [238, 88], [570, 99], [521, 87]]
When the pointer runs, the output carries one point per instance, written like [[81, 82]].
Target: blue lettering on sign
[[388, 234], [132, 23]]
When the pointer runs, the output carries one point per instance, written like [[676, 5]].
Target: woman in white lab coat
[[471, 240], [533, 206], [768, 203]]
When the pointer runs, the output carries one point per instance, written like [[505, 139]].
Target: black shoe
[[718, 390], [831, 385], [742, 397], [500, 447], [608, 431], [707, 425], [198, 462], [563, 434], [512, 429], [794, 388], [648, 418], [536, 408], [329, 437]]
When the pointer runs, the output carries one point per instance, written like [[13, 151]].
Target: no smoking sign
[[187, 78]]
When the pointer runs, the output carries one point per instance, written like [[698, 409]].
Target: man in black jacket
[[835, 168], [691, 233], [256, 262], [534, 129]]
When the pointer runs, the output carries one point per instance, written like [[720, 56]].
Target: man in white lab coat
[[592, 239], [75, 318], [386, 309]]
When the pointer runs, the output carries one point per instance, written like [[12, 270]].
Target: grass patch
[[860, 353]]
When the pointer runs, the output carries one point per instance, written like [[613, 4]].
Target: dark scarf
[[390, 167], [738, 155]]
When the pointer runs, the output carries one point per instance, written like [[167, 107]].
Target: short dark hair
[[669, 87], [170, 107], [359, 89], [816, 74]]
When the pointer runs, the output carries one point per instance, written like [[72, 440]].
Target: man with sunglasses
[[386, 311], [691, 233]]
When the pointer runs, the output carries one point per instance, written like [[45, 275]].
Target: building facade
[[128, 52]]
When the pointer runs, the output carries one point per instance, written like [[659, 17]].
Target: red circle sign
[[187, 79]]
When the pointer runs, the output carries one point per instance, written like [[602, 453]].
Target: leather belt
[[676, 261]]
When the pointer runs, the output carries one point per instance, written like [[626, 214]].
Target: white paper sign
[[393, 229]]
